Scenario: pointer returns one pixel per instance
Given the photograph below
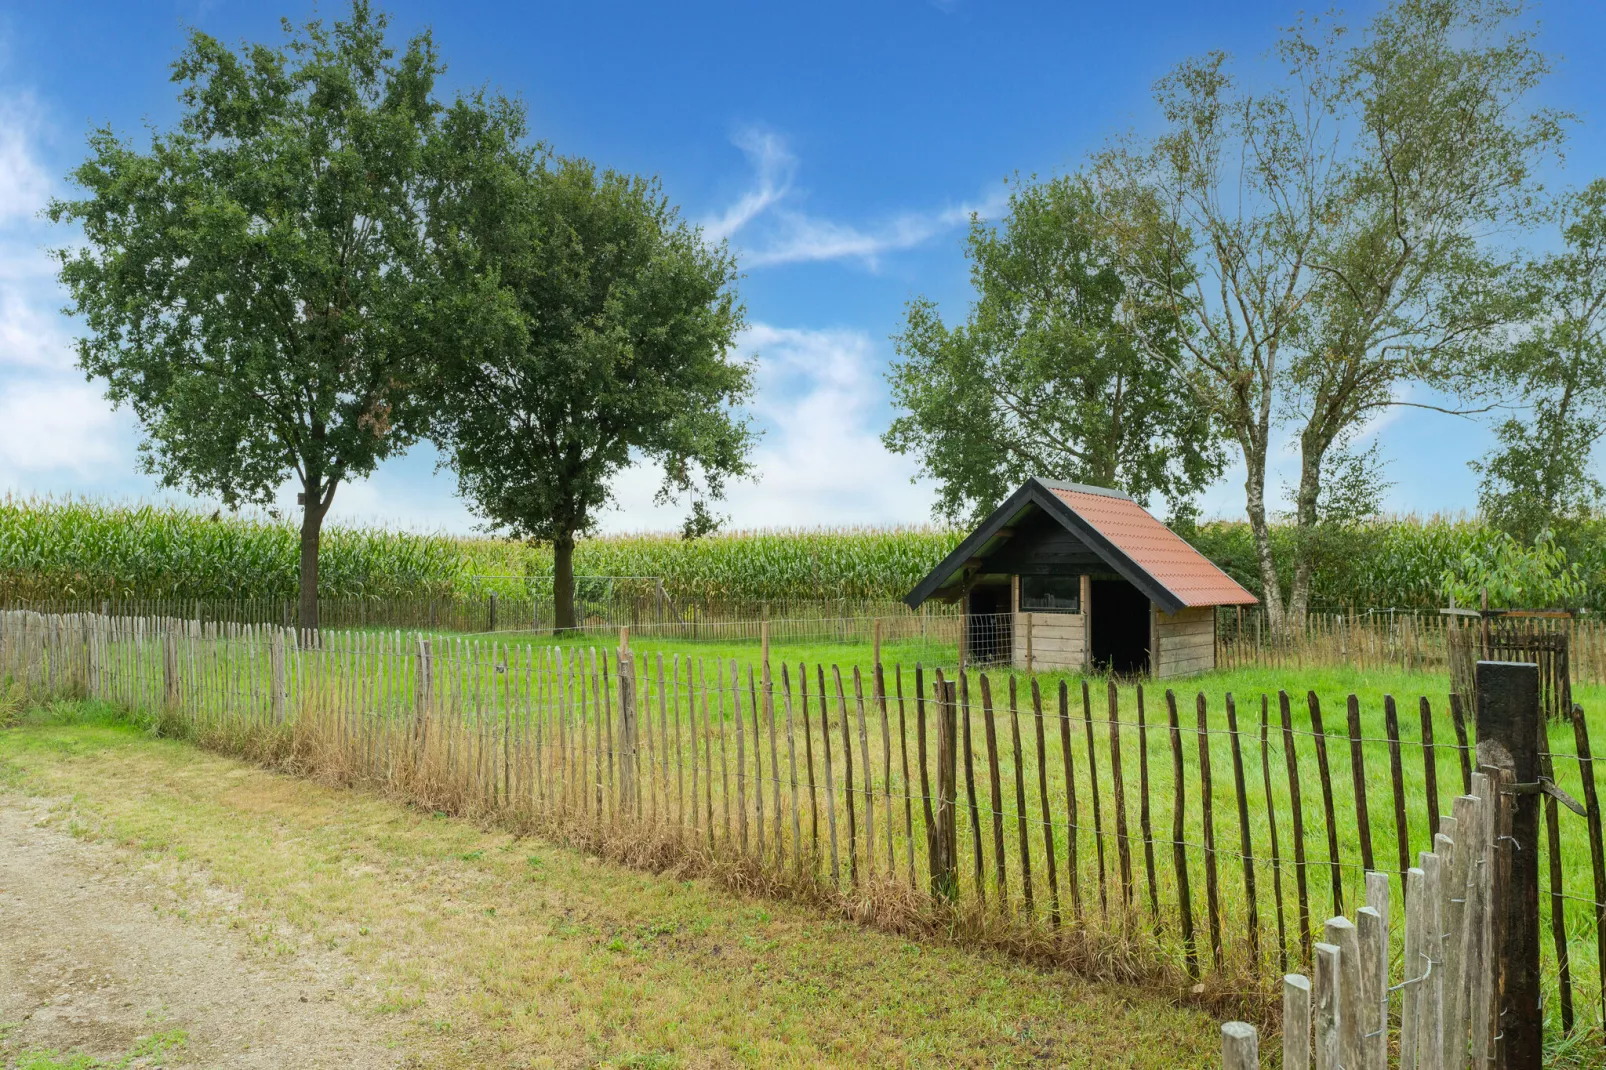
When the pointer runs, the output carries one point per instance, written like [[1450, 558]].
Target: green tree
[[1516, 576], [1057, 371], [1337, 221], [1540, 478], [259, 285], [622, 352]]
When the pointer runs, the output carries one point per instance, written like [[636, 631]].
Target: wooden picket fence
[[1077, 822], [1407, 640], [1445, 1009], [835, 620]]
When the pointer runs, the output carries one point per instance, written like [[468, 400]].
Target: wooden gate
[[1539, 637]]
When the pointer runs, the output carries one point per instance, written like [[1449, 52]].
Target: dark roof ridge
[[1085, 488]]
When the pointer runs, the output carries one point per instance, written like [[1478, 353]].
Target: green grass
[[148, 1053], [496, 950], [470, 672]]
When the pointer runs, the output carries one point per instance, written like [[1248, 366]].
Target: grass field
[[490, 699], [487, 695], [496, 950]]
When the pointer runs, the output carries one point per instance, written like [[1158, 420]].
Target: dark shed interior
[[1119, 629]]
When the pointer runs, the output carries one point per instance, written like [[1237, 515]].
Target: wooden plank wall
[[1186, 641], [1058, 640]]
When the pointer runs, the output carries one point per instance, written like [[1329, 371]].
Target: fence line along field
[[1166, 837]]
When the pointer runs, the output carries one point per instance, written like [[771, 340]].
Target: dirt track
[[95, 953]]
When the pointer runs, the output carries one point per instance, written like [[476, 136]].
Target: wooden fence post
[[276, 662], [1342, 934], [423, 688], [1508, 742], [92, 626], [944, 847], [625, 666], [170, 667], [1296, 1022], [1325, 1000], [1240, 1047]]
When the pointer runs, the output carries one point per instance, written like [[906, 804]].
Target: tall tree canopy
[[1057, 370], [622, 351], [259, 283], [1539, 477], [1337, 223]]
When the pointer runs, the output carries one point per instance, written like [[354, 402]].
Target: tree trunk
[[315, 501], [563, 582], [1271, 598], [1312, 451]]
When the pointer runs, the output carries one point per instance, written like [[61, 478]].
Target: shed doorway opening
[[1120, 627], [990, 628]]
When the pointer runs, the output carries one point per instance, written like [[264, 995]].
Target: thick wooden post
[[625, 664], [170, 667], [1296, 1022], [1508, 742], [1325, 1007], [1342, 934], [423, 688]]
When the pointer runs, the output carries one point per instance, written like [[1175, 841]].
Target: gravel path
[[96, 954]]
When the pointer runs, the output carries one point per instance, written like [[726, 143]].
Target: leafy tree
[[1336, 222], [1516, 576], [259, 285], [1057, 371], [622, 351], [1539, 478]]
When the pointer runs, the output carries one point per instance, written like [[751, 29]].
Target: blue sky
[[839, 147]]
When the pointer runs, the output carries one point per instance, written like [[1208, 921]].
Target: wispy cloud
[[24, 181], [768, 228], [773, 169]]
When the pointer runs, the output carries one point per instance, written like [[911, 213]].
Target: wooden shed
[[1064, 575]]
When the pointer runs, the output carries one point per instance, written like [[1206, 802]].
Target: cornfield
[[51, 550], [1397, 562], [75, 549], [84, 550]]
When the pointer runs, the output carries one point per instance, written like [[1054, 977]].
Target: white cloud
[[24, 181], [55, 428], [773, 169], [55, 425], [768, 229], [821, 461]]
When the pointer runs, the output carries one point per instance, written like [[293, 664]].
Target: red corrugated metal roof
[[1155, 548]]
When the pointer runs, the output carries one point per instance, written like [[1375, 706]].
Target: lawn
[[506, 951]]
